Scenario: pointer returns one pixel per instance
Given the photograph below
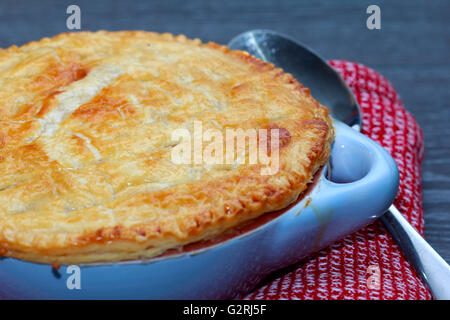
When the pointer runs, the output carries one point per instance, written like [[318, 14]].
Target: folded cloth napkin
[[367, 264]]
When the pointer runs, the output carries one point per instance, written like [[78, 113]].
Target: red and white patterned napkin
[[367, 264]]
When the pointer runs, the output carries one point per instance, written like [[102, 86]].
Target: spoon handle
[[426, 261]]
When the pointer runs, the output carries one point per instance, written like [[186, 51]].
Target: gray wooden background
[[411, 50]]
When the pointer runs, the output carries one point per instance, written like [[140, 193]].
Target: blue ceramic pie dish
[[365, 182]]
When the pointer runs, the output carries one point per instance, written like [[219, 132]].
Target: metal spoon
[[330, 90]]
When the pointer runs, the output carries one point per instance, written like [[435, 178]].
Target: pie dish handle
[[363, 184]]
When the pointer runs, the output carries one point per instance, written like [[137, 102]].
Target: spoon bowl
[[312, 71]]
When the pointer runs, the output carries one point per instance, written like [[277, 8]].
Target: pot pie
[[85, 144]]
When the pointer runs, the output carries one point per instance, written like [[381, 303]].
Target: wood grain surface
[[411, 50]]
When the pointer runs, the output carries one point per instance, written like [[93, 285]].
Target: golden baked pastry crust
[[85, 139]]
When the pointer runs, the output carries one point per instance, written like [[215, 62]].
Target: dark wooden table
[[411, 50]]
